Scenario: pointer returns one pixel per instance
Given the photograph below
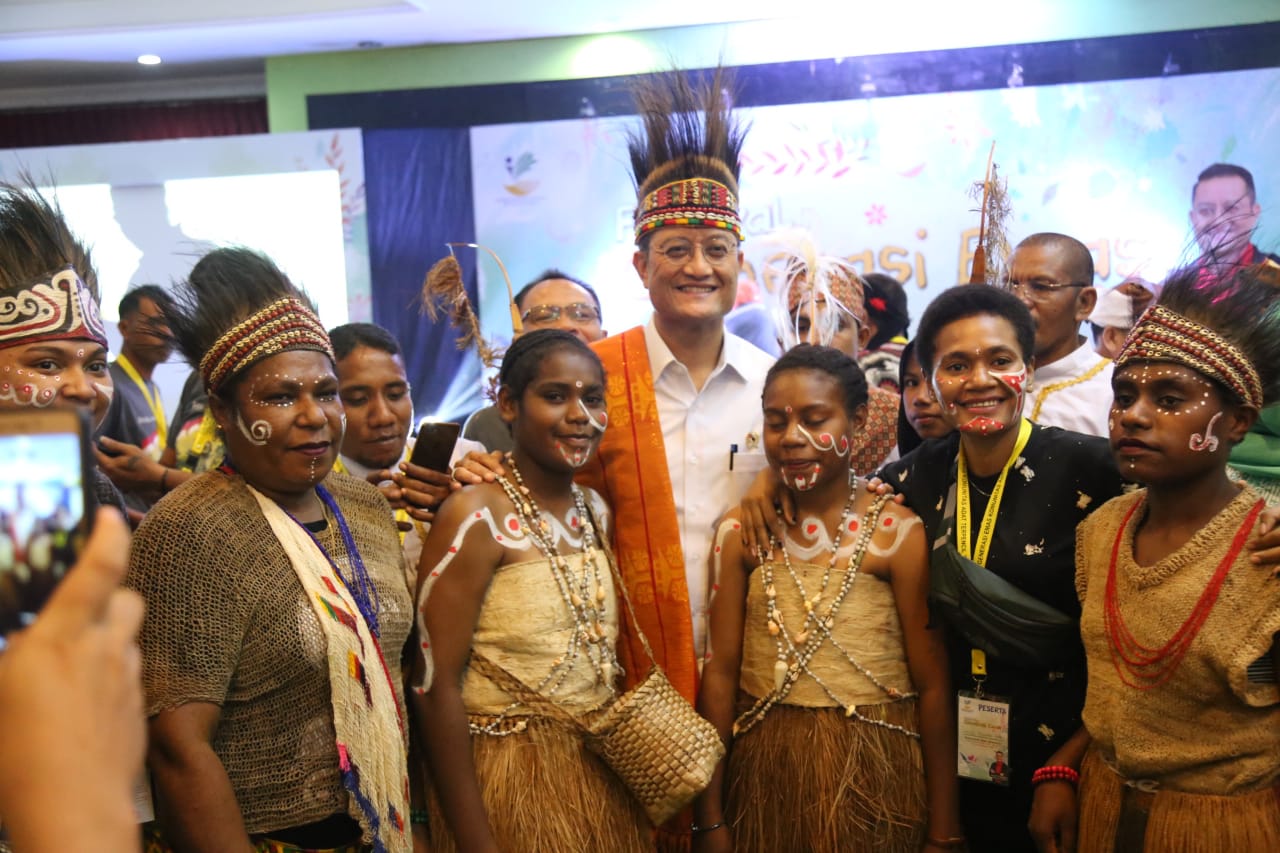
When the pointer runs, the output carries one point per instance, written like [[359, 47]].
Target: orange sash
[[630, 471]]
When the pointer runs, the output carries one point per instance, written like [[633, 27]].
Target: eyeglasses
[[716, 252], [578, 312], [1039, 290]]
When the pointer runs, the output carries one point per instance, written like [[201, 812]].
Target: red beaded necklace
[[1143, 667]]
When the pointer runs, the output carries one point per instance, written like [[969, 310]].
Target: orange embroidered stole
[[630, 471]]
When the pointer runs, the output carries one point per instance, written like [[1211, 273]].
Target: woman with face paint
[[277, 611], [53, 346], [1000, 498], [514, 582], [1182, 633], [821, 673]]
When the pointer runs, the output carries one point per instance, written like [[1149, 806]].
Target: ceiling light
[[148, 59]]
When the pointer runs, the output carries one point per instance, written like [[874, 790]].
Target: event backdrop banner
[[886, 182]]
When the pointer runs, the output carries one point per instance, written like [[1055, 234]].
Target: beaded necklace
[[583, 593], [1137, 665], [795, 651]]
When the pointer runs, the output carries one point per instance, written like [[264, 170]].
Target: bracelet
[[955, 842], [717, 825], [1056, 773], [164, 481]]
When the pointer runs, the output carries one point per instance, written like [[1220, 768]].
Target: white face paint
[[27, 394], [259, 432], [598, 425], [107, 391], [576, 458], [826, 442], [1208, 441]]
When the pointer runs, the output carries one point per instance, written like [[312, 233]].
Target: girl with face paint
[[1181, 631], [515, 572], [825, 637]]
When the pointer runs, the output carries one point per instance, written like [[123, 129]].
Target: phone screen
[[42, 510]]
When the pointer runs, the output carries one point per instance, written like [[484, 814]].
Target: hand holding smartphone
[[45, 505], [434, 445]]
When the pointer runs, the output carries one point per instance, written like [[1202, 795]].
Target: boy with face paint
[[53, 345]]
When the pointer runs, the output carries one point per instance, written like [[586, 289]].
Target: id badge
[[982, 738]]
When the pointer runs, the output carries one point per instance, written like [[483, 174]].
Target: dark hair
[[35, 242], [224, 288], [971, 300], [522, 359], [133, 297], [348, 337], [554, 274], [908, 438], [1079, 258], [1242, 306], [887, 306], [1226, 170], [829, 360]]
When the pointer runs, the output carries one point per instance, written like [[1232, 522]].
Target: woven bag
[[661, 748]]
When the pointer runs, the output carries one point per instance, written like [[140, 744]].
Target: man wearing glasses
[[1071, 386], [553, 300], [1224, 213]]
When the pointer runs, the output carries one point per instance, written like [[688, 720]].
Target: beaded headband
[[1163, 335], [63, 309], [696, 202], [283, 326]]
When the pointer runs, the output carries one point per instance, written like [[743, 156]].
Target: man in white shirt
[[1071, 384], [683, 441]]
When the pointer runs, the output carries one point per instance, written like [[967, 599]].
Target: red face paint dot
[[512, 524], [435, 574], [453, 549], [498, 537], [853, 526], [811, 529], [478, 515], [888, 522]]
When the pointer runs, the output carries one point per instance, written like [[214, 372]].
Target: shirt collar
[[733, 353], [1074, 363]]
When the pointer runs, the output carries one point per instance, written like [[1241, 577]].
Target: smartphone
[[433, 447], [46, 498]]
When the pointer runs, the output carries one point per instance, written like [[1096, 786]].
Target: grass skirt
[[812, 779], [1178, 822], [545, 792]]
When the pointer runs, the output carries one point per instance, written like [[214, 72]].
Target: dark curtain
[[131, 122], [418, 195]]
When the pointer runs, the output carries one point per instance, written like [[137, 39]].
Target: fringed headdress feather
[[444, 292], [992, 251], [684, 156], [829, 285]]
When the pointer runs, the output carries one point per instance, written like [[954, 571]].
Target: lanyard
[[964, 516], [152, 396]]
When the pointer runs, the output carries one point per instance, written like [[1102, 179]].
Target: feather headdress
[[684, 156], [444, 292], [829, 285]]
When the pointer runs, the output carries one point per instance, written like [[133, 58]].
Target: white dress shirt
[[698, 427], [1082, 406]]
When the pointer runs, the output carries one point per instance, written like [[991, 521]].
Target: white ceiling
[[61, 51]]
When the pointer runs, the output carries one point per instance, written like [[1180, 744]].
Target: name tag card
[[983, 738]]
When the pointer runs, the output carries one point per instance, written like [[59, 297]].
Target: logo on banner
[[517, 170]]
